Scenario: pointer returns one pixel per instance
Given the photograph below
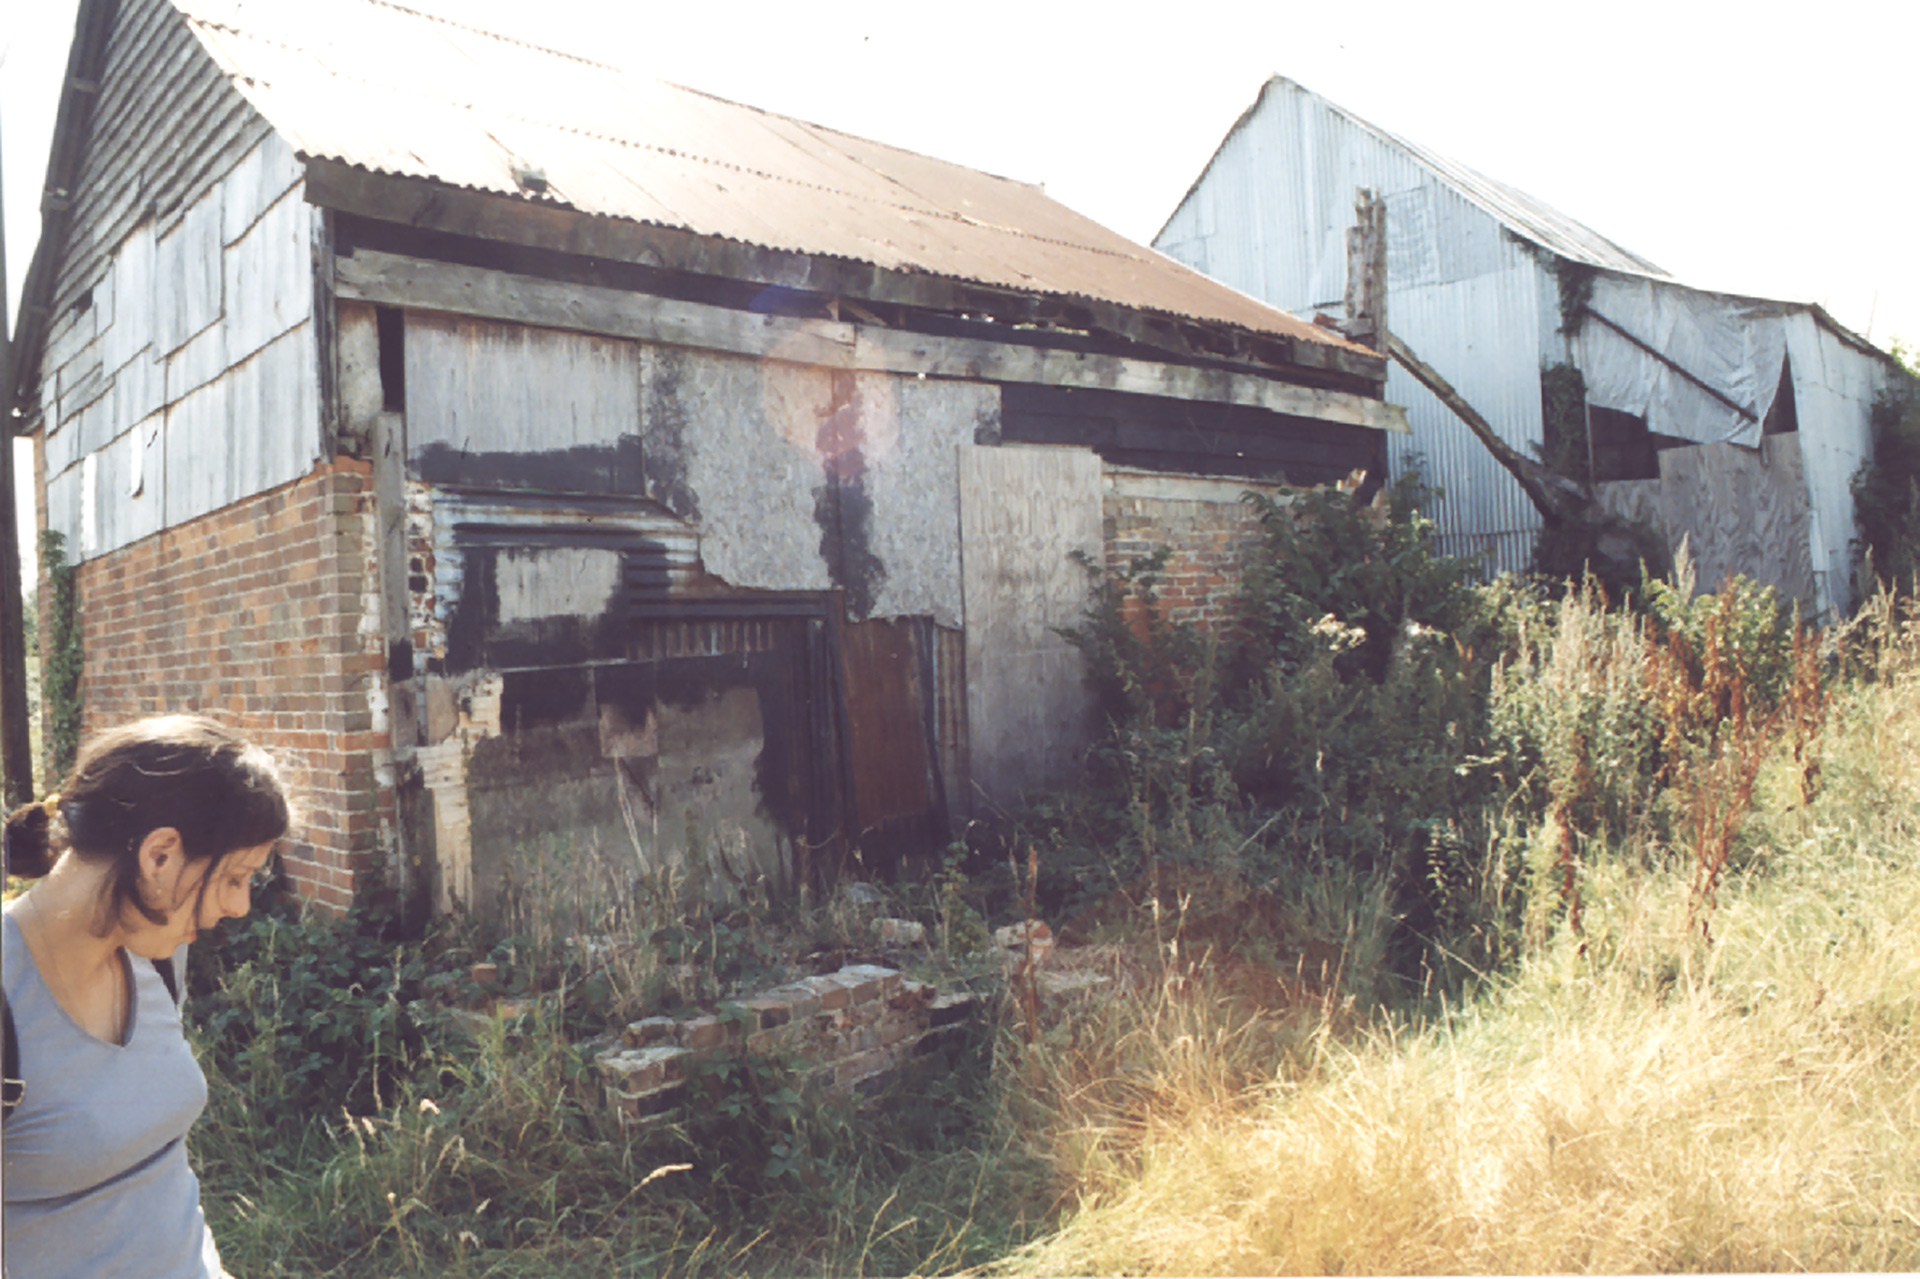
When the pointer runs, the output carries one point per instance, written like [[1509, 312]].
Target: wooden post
[[16, 751], [1366, 300]]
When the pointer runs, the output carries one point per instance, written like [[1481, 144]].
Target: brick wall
[[1202, 522], [851, 1031], [254, 614]]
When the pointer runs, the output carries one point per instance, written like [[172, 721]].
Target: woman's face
[[228, 882]]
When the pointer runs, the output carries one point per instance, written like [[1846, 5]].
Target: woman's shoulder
[[15, 958]]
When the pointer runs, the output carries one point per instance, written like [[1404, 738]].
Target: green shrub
[[1319, 748], [1886, 494], [304, 1013]]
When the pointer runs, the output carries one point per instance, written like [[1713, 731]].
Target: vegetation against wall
[[1886, 494], [61, 668], [1403, 872]]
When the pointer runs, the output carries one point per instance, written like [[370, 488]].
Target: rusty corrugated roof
[[399, 92]]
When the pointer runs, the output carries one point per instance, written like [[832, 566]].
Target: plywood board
[[189, 275], [735, 444], [254, 427], [1023, 512], [268, 280], [912, 475], [1741, 511], [514, 393]]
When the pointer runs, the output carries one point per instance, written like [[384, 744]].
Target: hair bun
[[28, 843]]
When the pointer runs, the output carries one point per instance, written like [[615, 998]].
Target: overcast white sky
[[1755, 147]]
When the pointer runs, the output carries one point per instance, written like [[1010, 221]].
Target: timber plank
[[397, 280]]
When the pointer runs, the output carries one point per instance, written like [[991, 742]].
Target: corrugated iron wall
[[1833, 389], [1270, 217]]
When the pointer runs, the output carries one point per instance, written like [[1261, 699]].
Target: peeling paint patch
[[426, 612], [754, 482], [460, 713], [663, 449], [443, 775], [565, 581]]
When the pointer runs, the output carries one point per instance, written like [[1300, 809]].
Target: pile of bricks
[[854, 1030]]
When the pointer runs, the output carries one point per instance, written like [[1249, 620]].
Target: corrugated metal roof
[[394, 91], [1521, 213]]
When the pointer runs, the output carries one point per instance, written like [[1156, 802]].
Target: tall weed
[[1633, 1099]]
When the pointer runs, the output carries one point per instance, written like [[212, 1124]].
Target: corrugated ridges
[[381, 87]]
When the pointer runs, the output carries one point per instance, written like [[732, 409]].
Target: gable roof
[[390, 90], [1531, 219]]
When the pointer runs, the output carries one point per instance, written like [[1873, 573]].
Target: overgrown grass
[[1564, 939], [1628, 1098]]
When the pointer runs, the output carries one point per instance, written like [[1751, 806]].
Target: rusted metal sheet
[[896, 794], [398, 92], [949, 677]]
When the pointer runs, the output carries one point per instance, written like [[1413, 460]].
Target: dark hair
[[185, 771]]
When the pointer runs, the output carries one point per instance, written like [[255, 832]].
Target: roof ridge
[[493, 35], [1440, 164]]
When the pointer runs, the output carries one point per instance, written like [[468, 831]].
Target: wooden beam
[[1366, 298], [505, 219], [16, 752], [394, 280], [1553, 494]]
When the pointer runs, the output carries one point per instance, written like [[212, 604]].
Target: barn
[[576, 478], [1734, 422]]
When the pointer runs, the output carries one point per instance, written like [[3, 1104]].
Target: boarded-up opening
[[1024, 512]]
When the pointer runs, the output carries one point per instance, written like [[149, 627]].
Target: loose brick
[[862, 1066], [702, 1033], [636, 1071], [895, 1029], [648, 1031], [833, 993], [802, 1001], [868, 981], [767, 1012]]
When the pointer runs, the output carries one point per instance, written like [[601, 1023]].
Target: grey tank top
[[97, 1182]]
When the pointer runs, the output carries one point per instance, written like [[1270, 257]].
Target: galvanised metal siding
[[1833, 389], [1269, 217], [1481, 335]]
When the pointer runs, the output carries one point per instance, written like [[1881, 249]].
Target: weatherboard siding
[[167, 127], [181, 371], [190, 381]]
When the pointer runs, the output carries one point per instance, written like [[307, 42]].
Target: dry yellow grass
[[1638, 1103]]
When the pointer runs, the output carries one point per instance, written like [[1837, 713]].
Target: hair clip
[[51, 805]]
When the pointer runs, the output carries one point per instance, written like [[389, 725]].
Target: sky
[[1750, 147]]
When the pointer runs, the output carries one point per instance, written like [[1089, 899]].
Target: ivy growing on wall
[[1576, 291], [60, 668], [1563, 422]]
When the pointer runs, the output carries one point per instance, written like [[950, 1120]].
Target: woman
[[157, 837]]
